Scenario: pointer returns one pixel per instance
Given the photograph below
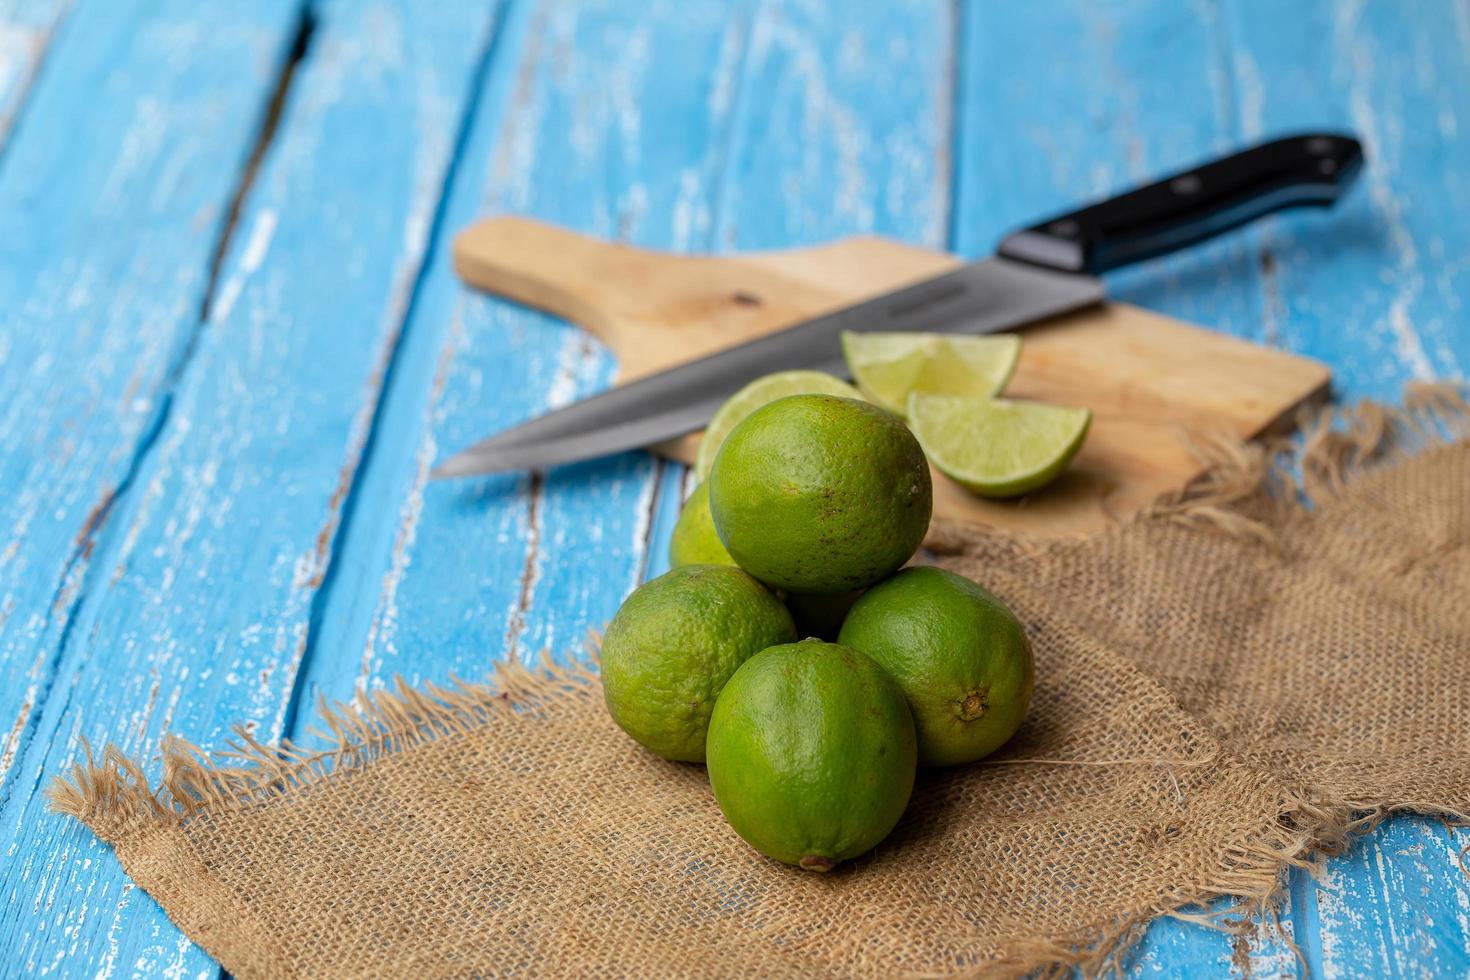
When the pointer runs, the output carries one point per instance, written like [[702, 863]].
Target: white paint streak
[[827, 122], [386, 620], [1384, 871], [1456, 858], [1334, 913], [723, 92], [514, 165], [564, 387], [11, 743], [642, 523], [690, 219], [262, 230], [20, 50], [1250, 95], [107, 965], [625, 83]]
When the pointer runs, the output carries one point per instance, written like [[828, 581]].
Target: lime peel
[[759, 392], [695, 540]]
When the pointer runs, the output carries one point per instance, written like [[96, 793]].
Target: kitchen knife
[[1042, 271]]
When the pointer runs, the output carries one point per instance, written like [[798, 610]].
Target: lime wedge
[[889, 366], [995, 447], [760, 392]]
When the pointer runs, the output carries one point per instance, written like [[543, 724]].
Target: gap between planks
[[76, 576], [334, 531], [270, 122]]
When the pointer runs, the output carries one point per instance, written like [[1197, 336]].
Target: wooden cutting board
[[1156, 386]]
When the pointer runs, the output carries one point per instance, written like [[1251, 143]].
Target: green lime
[[674, 643], [888, 366], [961, 657], [813, 493], [994, 447], [695, 540], [820, 614], [811, 753], [762, 391]]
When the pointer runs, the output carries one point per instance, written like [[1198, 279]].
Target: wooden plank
[[1396, 73], [846, 127], [26, 29], [472, 571], [1129, 91], [110, 209], [112, 196], [206, 573], [1383, 300]]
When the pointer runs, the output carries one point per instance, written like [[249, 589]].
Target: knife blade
[[1039, 272], [982, 297]]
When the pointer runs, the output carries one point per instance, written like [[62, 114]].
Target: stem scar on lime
[[961, 657]]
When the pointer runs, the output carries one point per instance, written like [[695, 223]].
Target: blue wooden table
[[231, 344]]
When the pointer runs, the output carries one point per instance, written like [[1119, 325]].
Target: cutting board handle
[[549, 268], [655, 309]]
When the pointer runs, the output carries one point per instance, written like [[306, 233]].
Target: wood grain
[[1158, 388]]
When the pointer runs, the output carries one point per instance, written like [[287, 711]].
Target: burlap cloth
[[1230, 684]]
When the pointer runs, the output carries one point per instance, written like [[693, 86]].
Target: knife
[[1038, 272]]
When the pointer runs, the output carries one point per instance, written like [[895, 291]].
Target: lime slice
[[760, 392], [889, 366], [995, 447]]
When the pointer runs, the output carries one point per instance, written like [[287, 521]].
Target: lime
[[672, 646], [811, 753], [695, 540], [960, 656], [813, 493], [760, 392], [820, 614], [995, 447], [888, 366]]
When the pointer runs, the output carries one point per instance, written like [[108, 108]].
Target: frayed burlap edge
[[112, 796], [1246, 490], [145, 824], [1249, 490]]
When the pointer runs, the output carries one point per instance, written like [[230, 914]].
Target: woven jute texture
[[1229, 684]]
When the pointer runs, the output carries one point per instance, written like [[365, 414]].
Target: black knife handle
[[1195, 204]]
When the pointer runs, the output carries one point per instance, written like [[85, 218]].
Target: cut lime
[[759, 392], [995, 447], [890, 366]]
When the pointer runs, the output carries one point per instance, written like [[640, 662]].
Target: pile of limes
[[786, 650]]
